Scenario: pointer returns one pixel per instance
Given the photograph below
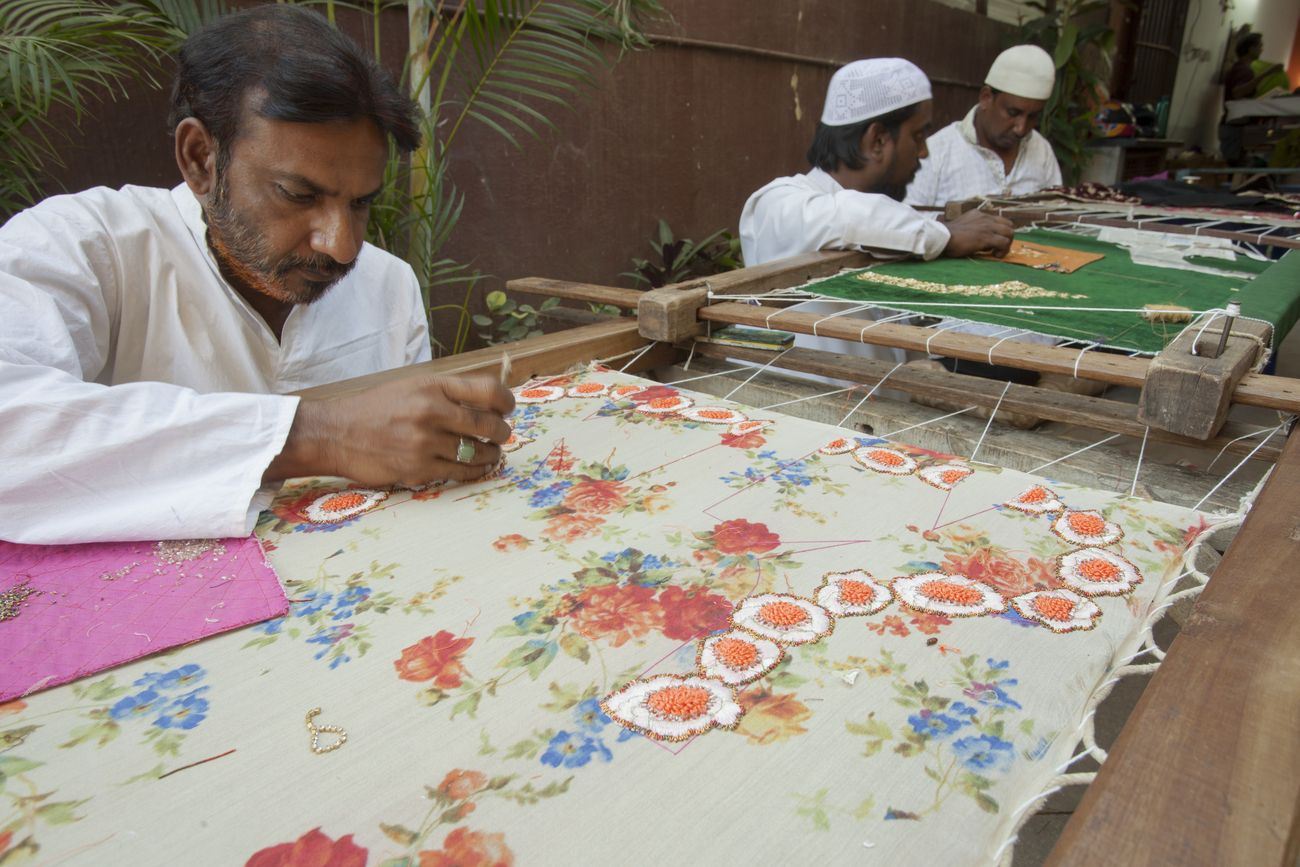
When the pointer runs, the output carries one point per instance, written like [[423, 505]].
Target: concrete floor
[[1041, 831]]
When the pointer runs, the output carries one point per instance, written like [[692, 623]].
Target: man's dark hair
[[309, 72], [835, 146], [1247, 42]]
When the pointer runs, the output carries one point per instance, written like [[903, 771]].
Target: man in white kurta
[[996, 149], [148, 336], [866, 149], [125, 357]]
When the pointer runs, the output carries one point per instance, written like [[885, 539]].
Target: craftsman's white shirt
[[140, 396], [810, 212], [958, 167]]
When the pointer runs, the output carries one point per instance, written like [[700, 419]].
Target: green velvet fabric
[[1112, 282]]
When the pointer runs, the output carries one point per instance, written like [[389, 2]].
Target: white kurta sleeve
[[84, 462], [418, 347], [786, 219]]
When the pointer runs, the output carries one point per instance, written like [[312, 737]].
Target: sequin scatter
[[1013, 289], [178, 551], [317, 731], [11, 600]]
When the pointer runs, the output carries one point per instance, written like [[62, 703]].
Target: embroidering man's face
[[904, 152], [1002, 121], [288, 210]]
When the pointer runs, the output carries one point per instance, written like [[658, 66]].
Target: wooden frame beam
[[1207, 768], [957, 388]]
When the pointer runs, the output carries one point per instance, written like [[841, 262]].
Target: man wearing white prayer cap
[[867, 148], [996, 149]]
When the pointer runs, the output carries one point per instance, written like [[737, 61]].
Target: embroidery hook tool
[[1233, 310]]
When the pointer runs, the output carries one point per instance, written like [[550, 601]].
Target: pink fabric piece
[[100, 605]]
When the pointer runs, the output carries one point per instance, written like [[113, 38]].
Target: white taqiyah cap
[[1026, 71], [865, 89]]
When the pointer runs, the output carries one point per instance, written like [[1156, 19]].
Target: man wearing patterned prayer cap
[[996, 149], [866, 149]]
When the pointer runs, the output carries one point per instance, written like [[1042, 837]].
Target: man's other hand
[[978, 232], [406, 432]]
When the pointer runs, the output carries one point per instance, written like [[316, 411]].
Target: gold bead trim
[[317, 731]]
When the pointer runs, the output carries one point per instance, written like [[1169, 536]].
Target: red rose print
[[741, 537], [466, 848], [693, 613], [312, 849], [436, 658]]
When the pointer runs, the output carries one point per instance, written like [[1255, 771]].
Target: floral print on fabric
[[512, 650]]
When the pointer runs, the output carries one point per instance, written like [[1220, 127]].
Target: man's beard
[[244, 255], [897, 192]]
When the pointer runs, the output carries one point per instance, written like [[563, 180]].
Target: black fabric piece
[[990, 371], [1176, 194]]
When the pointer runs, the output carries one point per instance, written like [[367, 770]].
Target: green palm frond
[[518, 52], [56, 52]]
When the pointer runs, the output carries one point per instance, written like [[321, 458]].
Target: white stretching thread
[[924, 423], [631, 361], [990, 421], [1239, 465], [873, 390], [747, 379], [1073, 454], [1142, 451], [689, 357], [1253, 433], [809, 397], [851, 310], [707, 375], [1080, 357], [1016, 332]]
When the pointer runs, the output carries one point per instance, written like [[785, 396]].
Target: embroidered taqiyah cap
[[865, 89], [1026, 71]]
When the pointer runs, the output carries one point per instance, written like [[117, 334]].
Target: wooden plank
[[1025, 215], [535, 356], [1207, 770], [589, 292], [1188, 390], [963, 390], [1272, 392]]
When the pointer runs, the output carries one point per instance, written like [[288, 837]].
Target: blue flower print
[[589, 715], [960, 707], [346, 603], [573, 750], [312, 602], [184, 712], [985, 753], [935, 725], [998, 666], [136, 706], [177, 678], [549, 495], [271, 627]]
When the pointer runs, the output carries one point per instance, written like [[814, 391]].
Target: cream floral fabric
[[672, 630]]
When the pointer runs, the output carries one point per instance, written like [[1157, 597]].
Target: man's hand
[[978, 232], [405, 432]]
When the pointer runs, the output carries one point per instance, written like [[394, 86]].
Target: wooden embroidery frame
[[1207, 768]]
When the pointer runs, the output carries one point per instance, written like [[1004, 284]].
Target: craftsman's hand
[[405, 432], [978, 232]]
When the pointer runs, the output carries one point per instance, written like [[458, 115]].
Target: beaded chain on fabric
[[317, 731]]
